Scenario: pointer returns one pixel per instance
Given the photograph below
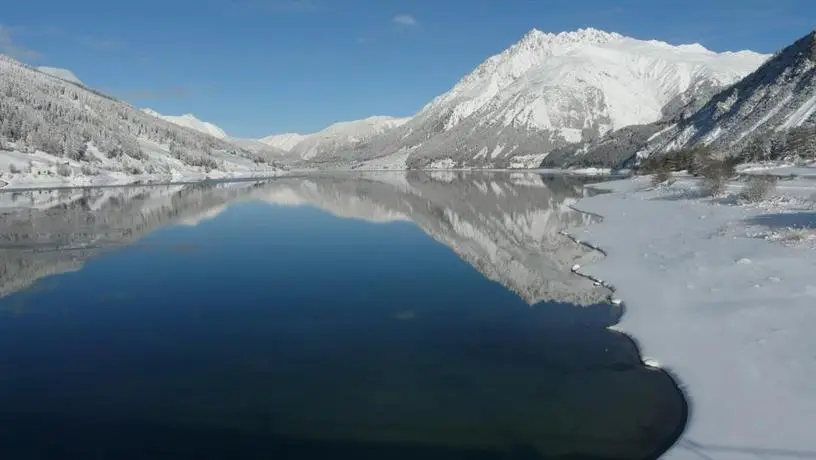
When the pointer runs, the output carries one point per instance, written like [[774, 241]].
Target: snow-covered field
[[41, 170], [723, 294], [776, 168]]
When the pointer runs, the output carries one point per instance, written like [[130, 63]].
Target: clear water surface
[[387, 316]]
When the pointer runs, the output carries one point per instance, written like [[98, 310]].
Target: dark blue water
[[344, 317]]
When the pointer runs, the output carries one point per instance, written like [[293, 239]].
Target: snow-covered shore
[[41, 170], [121, 179], [723, 294]]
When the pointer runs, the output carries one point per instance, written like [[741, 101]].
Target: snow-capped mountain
[[64, 74], [285, 141], [264, 149], [549, 90], [59, 132], [757, 116], [259, 148], [338, 137], [189, 120]]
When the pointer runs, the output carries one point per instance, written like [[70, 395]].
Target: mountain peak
[[810, 42], [586, 35]]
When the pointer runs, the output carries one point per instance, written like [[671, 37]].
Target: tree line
[[42, 112]]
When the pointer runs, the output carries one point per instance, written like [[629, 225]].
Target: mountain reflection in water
[[435, 361]]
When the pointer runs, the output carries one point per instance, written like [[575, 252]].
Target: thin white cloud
[[9, 47], [405, 20], [295, 6], [98, 43]]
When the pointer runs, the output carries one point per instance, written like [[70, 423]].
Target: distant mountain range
[[544, 94], [571, 99], [190, 121]]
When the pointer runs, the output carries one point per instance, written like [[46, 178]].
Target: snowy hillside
[[762, 115], [284, 141], [263, 149], [58, 133], [190, 121], [613, 150], [343, 136], [64, 74], [552, 89]]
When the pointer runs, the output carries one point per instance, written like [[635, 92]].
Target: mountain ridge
[[57, 132], [550, 90], [337, 136], [756, 116], [585, 97], [188, 120]]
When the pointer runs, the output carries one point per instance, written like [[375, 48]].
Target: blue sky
[[257, 67]]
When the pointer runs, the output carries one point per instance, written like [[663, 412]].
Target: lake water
[[387, 316]]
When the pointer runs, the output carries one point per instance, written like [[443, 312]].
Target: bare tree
[[759, 188]]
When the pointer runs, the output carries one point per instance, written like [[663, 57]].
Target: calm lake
[[373, 316]]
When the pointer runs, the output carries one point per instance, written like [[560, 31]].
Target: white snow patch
[[40, 169], [481, 153], [527, 161], [571, 135], [591, 171], [661, 132], [497, 151], [738, 335], [801, 115], [765, 117], [285, 141], [447, 163], [713, 135]]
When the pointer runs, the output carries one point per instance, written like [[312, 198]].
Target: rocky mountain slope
[[550, 90], [613, 150], [758, 116], [53, 129]]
